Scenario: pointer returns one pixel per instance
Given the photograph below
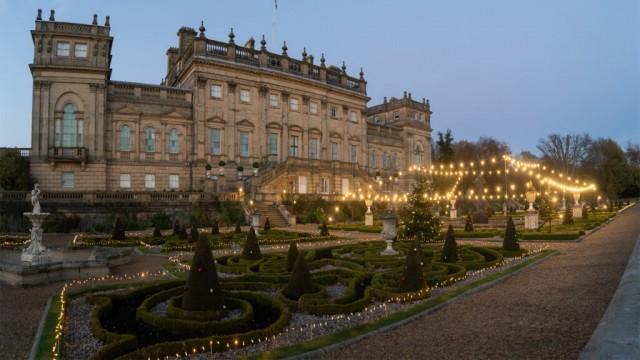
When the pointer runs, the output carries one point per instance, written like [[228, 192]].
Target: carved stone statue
[[35, 199], [36, 253]]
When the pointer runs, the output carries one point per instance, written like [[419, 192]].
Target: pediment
[[127, 109], [315, 131], [245, 123], [216, 119], [335, 135]]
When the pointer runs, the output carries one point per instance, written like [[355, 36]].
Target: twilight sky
[[515, 70]]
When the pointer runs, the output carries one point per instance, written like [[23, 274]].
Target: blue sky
[[515, 70]]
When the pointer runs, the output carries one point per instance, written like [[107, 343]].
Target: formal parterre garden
[[270, 305]]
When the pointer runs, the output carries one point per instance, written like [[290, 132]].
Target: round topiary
[[203, 290], [156, 232], [251, 249], [292, 255], [193, 233], [300, 281], [450, 248], [468, 224], [238, 230], [118, 230], [510, 242], [215, 228], [267, 225], [176, 228], [412, 277], [324, 229]]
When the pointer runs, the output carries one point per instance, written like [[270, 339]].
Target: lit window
[[313, 107], [273, 144], [334, 151], [293, 104], [149, 140], [244, 143], [293, 145], [274, 100], [68, 180], [216, 91], [125, 181], [149, 181], [125, 138], [353, 117], [80, 50], [174, 144], [216, 146], [354, 154], [62, 49], [313, 149], [174, 181], [334, 112], [245, 96], [325, 186]]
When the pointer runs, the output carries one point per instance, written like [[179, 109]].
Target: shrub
[[585, 212], [324, 230], [215, 229], [238, 230], [468, 224], [267, 225], [510, 242], [193, 233], [183, 233], [251, 249], [118, 230], [161, 221], [203, 290], [412, 277], [567, 219], [292, 254], [300, 281], [156, 232], [450, 248], [176, 228]]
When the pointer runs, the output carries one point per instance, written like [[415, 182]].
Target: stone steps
[[269, 211]]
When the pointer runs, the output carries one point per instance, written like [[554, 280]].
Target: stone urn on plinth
[[368, 216], [453, 212], [36, 253], [389, 232], [531, 217]]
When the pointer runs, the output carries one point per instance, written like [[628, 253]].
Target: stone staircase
[[268, 210]]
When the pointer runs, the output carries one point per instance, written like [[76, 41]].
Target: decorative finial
[[39, 17], [202, 29], [263, 43], [344, 67], [428, 106], [231, 37], [284, 48], [409, 96], [304, 53], [405, 95], [106, 21], [361, 73], [95, 19], [385, 99], [52, 15], [322, 60]]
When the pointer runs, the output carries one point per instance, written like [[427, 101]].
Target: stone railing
[[68, 153], [93, 197], [72, 28], [149, 93], [23, 152]]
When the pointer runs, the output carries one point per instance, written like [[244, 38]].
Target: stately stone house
[[303, 123]]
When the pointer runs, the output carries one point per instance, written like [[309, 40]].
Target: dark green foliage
[[292, 255], [203, 290], [300, 281], [161, 221], [417, 219], [450, 248], [412, 277], [156, 232], [183, 233], [585, 211], [468, 224], [176, 228], [267, 225], [118, 230], [325, 253], [215, 229], [193, 233], [14, 171], [238, 230], [510, 242], [231, 212], [251, 249], [324, 229], [567, 219]]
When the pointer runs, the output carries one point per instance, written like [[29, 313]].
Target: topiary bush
[[412, 279], [215, 228], [176, 228], [450, 248], [292, 255], [118, 230], [251, 249], [300, 281], [203, 290], [567, 219], [267, 225], [510, 242], [238, 229], [324, 229], [157, 233], [193, 233], [468, 224], [183, 233], [585, 211]]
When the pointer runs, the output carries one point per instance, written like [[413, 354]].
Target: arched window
[[125, 138], [68, 132], [418, 154], [149, 140], [174, 145]]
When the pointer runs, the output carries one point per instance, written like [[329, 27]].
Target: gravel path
[[548, 311]]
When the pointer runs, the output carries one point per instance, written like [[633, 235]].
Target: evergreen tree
[[176, 228], [193, 233], [417, 219], [251, 249], [215, 228], [300, 281], [203, 291], [468, 224], [238, 229], [156, 232], [444, 147], [450, 248], [118, 230], [585, 211], [510, 242], [412, 277], [567, 219], [292, 255], [324, 229], [183, 233], [267, 225]]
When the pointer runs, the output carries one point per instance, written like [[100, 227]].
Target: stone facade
[[305, 125]]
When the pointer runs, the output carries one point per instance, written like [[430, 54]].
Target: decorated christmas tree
[[203, 291], [251, 249], [450, 248]]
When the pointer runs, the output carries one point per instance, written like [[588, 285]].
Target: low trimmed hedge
[[569, 235]]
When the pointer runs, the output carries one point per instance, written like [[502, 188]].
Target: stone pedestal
[[389, 232], [368, 219], [531, 220], [36, 253], [577, 211], [292, 220], [453, 213]]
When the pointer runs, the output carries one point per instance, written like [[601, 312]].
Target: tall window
[[394, 161], [293, 104], [313, 107], [125, 181], [334, 151], [372, 160], [418, 154], [325, 186], [313, 149], [69, 133], [353, 117], [149, 140], [149, 181], [216, 146], [244, 143], [293, 145], [62, 48], [274, 100], [354, 154], [245, 96], [125, 138], [216, 91], [334, 112], [273, 144], [174, 181], [385, 161], [80, 50], [68, 180], [174, 145]]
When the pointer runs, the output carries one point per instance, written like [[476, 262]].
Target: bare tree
[[565, 153]]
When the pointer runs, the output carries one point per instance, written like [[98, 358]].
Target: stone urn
[[389, 232], [453, 212], [368, 216]]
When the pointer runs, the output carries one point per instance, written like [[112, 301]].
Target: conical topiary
[[215, 228], [251, 249], [203, 291], [292, 255], [450, 248], [324, 229], [585, 212], [300, 281], [176, 228], [412, 277], [267, 225], [193, 233], [183, 233], [238, 229], [118, 230], [156, 232], [468, 224], [567, 219], [510, 242]]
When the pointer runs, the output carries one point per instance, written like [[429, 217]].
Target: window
[[313, 107], [174, 145], [69, 131], [302, 184], [293, 145], [244, 143], [216, 146], [125, 181], [385, 162], [354, 154], [174, 181], [372, 160], [68, 180], [376, 119], [273, 144], [418, 154], [345, 185], [149, 140], [80, 50], [334, 151], [324, 186], [274, 100], [334, 112], [149, 181], [415, 116], [313, 149], [245, 96], [353, 117], [62, 48], [216, 91], [394, 161], [293, 104], [396, 115], [125, 138], [58, 136]]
